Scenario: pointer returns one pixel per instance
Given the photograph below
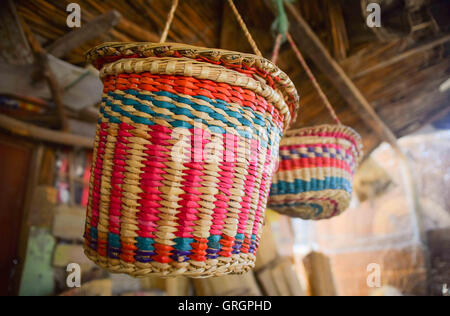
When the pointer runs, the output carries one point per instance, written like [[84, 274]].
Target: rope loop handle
[[245, 29], [169, 21]]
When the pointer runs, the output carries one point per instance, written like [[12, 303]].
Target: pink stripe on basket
[[97, 174], [263, 191], [192, 180], [157, 152], [119, 162]]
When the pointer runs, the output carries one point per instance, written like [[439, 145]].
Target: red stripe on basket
[[244, 69], [316, 162], [227, 246], [199, 249], [163, 253]]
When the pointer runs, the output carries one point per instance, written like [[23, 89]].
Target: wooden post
[[320, 275]]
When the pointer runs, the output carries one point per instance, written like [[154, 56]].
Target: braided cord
[[276, 48], [245, 29], [169, 21], [313, 79]]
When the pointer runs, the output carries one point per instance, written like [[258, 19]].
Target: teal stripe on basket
[[93, 233], [145, 243], [239, 236], [214, 242], [184, 244], [114, 240], [300, 186], [257, 120]]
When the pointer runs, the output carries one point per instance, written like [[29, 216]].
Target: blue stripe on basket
[[213, 242], [114, 240], [301, 186], [256, 120], [145, 246], [184, 244], [145, 243]]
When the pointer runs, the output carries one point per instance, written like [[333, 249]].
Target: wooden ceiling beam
[[310, 43], [402, 56], [96, 27], [14, 48], [39, 133]]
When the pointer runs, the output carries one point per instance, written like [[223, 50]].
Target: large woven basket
[[158, 205], [315, 173]]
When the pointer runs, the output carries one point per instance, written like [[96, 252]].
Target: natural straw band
[[200, 70], [313, 79], [169, 21], [245, 29], [276, 48]]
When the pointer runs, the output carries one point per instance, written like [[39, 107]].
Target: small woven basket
[[315, 174], [155, 212]]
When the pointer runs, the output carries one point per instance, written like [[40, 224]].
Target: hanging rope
[[313, 79], [276, 48], [169, 21], [281, 23], [245, 29]]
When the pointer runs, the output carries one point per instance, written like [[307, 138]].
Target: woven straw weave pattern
[[315, 175], [259, 68], [151, 213]]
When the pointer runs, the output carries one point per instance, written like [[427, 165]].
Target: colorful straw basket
[[315, 173], [185, 149]]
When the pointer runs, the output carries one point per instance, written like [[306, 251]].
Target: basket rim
[[147, 49], [195, 69], [306, 131]]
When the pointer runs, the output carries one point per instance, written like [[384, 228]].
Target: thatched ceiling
[[405, 94]]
